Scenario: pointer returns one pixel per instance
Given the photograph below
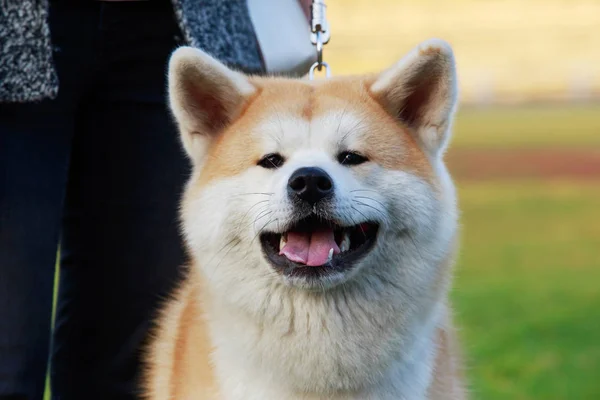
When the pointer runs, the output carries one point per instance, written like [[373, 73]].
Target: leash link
[[320, 35]]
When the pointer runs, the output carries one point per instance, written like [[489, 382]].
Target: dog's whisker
[[360, 225], [250, 209], [253, 193], [262, 215], [371, 199], [337, 131], [363, 190], [261, 230], [380, 212], [352, 129], [222, 259], [231, 245]]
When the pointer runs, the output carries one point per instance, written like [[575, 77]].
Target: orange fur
[[180, 357], [447, 379]]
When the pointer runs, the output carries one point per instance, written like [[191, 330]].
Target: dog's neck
[[251, 362]]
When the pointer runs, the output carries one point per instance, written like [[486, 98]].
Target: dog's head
[[314, 184]]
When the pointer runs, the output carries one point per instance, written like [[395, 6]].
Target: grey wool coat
[[220, 27]]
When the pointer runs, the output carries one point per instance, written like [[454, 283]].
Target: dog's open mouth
[[314, 248]]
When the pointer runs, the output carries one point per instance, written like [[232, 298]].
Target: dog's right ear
[[205, 97]]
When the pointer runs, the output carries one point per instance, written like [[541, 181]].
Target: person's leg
[[121, 250], [35, 144], [34, 154]]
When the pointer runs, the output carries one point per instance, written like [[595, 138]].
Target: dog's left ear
[[420, 91]]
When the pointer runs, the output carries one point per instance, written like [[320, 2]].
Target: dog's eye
[[271, 161], [351, 158]]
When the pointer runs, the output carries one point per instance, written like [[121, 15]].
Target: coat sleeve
[[26, 69], [223, 29]]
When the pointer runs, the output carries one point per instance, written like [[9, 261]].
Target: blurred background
[[526, 158]]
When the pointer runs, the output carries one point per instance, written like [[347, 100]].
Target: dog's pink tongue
[[310, 249], [297, 247]]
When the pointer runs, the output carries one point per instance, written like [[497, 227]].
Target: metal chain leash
[[320, 35]]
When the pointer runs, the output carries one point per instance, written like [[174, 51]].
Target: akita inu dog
[[321, 223]]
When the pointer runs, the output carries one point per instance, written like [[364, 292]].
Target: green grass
[[533, 126], [54, 300], [527, 291]]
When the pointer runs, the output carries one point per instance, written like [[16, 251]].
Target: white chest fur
[[246, 369]]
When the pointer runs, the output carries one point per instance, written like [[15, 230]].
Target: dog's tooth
[[282, 241], [345, 245], [330, 256]]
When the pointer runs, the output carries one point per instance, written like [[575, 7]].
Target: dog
[[321, 223]]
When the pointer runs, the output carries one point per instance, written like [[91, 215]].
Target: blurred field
[[543, 126], [527, 289], [506, 50], [527, 142]]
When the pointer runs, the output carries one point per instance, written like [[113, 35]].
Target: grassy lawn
[[528, 127], [527, 290]]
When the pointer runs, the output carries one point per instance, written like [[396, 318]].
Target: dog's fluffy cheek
[[219, 222], [413, 204], [421, 225], [422, 230], [211, 215], [203, 223]]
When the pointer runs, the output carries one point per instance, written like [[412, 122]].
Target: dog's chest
[[246, 369]]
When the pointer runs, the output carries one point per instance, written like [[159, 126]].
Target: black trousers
[[100, 171]]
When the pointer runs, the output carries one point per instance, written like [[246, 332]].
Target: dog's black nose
[[310, 184]]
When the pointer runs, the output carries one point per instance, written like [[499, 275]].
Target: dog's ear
[[420, 90], [205, 97]]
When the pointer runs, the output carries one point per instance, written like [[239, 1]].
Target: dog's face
[[313, 185]]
